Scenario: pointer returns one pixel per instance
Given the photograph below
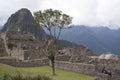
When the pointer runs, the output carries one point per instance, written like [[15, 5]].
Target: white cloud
[[108, 12], [85, 12], [8, 7]]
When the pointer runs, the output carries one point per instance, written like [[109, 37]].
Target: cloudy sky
[[84, 12]]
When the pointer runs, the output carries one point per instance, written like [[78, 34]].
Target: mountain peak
[[23, 20], [24, 11], [20, 16]]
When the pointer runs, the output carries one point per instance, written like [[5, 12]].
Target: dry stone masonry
[[76, 67]]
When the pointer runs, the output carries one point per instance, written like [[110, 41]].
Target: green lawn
[[43, 70]]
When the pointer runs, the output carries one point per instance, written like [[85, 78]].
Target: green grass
[[43, 70], [6, 57]]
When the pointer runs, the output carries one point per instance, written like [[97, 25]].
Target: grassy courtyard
[[43, 70]]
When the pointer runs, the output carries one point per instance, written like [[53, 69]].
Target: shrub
[[11, 45], [20, 77]]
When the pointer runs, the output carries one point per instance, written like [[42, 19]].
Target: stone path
[[3, 36]]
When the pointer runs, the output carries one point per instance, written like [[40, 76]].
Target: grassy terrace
[[43, 70]]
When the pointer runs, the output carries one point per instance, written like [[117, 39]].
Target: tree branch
[[59, 33]]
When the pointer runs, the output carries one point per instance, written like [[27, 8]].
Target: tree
[[51, 56], [54, 21]]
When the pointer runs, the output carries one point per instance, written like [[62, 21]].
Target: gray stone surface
[[76, 67]]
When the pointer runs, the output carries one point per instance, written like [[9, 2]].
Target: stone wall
[[34, 54], [72, 51], [63, 58], [32, 63], [21, 54], [76, 67], [112, 66], [17, 53]]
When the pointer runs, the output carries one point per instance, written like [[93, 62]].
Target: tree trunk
[[59, 33], [53, 67]]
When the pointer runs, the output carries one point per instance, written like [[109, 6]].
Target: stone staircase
[[3, 36]]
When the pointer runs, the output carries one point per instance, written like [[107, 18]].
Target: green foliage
[[2, 54], [11, 45], [31, 39], [52, 18], [51, 54], [20, 77], [6, 57]]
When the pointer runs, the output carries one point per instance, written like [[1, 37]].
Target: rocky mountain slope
[[0, 27], [22, 20]]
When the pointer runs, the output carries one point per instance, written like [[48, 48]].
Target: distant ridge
[[99, 39], [1, 27]]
